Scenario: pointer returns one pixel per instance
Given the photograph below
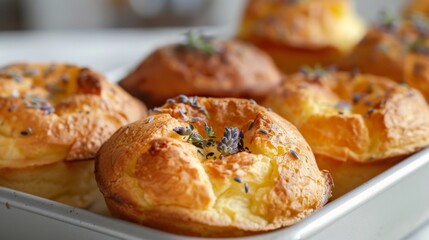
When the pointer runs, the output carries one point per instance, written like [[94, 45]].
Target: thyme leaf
[[199, 42]]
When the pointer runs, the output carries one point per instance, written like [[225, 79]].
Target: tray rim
[[304, 229]]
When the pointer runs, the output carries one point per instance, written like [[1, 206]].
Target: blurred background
[[93, 14], [113, 35], [90, 14]]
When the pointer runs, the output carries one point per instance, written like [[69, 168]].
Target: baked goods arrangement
[[53, 119], [202, 67], [395, 48], [305, 32], [356, 124], [211, 167], [208, 160]]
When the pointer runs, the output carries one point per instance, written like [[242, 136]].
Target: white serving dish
[[390, 206]]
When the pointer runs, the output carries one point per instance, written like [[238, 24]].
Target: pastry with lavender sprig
[[357, 125], [212, 167], [53, 120], [396, 48]]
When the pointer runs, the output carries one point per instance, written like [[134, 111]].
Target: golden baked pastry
[[416, 7], [305, 32], [202, 67], [397, 49], [174, 171], [353, 121], [53, 119]]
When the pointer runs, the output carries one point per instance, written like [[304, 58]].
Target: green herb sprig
[[419, 46], [209, 131], [388, 21], [199, 42]]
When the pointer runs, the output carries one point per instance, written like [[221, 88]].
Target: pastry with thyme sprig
[[304, 32], [396, 48], [357, 125], [220, 172], [199, 42], [202, 66], [53, 120]]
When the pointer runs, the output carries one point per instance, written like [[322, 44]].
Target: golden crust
[[151, 175], [416, 7], [71, 183], [359, 118], [379, 53], [235, 70], [290, 60], [52, 115], [398, 54], [357, 125], [305, 32]]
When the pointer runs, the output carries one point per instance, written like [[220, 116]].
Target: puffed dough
[[235, 69], [150, 174], [357, 125], [414, 7], [53, 120], [397, 50], [305, 32]]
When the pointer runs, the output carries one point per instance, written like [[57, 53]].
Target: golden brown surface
[[305, 32], [51, 116], [355, 124], [71, 183], [416, 6], [360, 118], [400, 53], [234, 70], [151, 175]]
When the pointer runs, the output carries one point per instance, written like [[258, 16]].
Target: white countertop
[[102, 50]]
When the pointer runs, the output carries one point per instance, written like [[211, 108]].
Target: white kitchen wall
[[89, 14], [370, 8]]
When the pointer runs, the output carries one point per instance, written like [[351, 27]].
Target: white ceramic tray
[[390, 206]]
